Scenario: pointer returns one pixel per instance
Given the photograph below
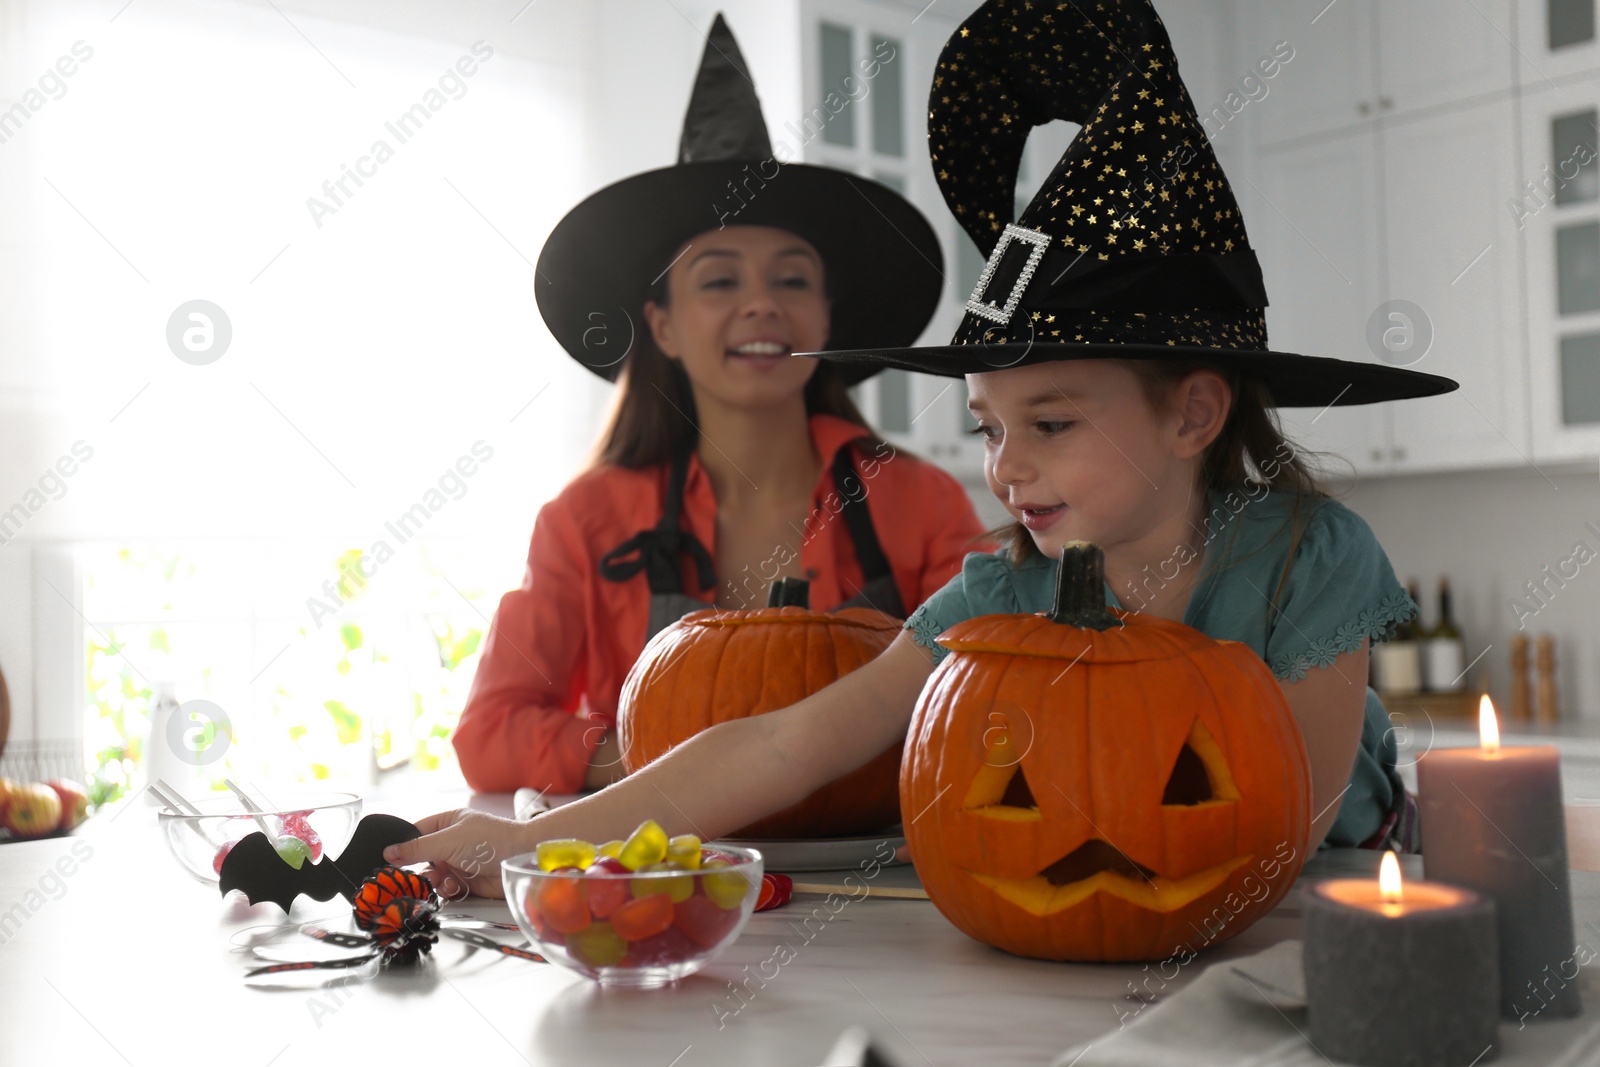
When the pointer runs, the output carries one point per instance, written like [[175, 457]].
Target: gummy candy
[[564, 852], [292, 850], [561, 902], [295, 824], [704, 921], [597, 946], [646, 845], [725, 886], [659, 950], [604, 891], [610, 848], [643, 917], [222, 854], [684, 850], [679, 889]]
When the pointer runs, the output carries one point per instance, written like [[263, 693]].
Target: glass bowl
[[658, 926], [323, 821]]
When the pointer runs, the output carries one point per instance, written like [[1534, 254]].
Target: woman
[[723, 457]]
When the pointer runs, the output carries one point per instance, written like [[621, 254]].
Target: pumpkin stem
[[789, 593], [1080, 588]]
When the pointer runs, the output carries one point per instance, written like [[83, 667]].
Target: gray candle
[[1492, 821], [1404, 978]]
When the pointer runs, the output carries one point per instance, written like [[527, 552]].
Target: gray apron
[[655, 552]]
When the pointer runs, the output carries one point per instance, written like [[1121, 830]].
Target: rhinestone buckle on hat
[[987, 308]]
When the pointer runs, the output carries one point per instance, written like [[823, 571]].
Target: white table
[[128, 960]]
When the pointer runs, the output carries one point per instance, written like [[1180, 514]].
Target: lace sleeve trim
[[924, 629], [1377, 623]]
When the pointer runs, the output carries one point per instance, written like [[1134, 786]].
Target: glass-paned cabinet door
[[1554, 38], [1556, 204], [878, 59], [900, 44]]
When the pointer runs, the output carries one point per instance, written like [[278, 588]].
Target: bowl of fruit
[[637, 913], [302, 825]]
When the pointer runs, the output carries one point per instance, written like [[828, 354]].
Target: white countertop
[[129, 960]]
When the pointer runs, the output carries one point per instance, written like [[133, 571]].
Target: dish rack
[[39, 761]]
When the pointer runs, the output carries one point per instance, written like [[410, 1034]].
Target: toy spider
[[399, 909]]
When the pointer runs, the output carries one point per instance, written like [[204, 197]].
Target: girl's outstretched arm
[[719, 780], [1329, 703]]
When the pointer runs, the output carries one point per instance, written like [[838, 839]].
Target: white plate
[[787, 855]]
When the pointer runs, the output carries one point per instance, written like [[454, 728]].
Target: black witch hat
[[1134, 248], [882, 261]]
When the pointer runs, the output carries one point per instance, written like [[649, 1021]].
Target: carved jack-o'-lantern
[[1091, 784], [718, 664]]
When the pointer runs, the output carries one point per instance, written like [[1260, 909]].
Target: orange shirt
[[560, 646]]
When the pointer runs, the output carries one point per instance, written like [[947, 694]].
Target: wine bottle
[[1398, 661], [1444, 649]]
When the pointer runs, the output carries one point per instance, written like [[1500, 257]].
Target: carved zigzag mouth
[[1096, 866]]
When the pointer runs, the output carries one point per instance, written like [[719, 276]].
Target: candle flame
[[1389, 878], [1488, 726]]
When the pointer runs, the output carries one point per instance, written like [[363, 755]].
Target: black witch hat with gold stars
[[1134, 248], [883, 267]]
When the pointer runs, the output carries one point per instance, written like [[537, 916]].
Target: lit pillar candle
[[1400, 976], [1491, 820]]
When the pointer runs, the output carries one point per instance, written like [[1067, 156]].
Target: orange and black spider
[[400, 912]]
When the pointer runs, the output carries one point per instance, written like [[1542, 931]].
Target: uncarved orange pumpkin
[[1091, 784], [715, 665]]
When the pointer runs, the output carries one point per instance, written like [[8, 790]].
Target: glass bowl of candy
[[302, 824], [636, 913]]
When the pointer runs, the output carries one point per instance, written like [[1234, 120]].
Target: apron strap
[[858, 518], [658, 548]]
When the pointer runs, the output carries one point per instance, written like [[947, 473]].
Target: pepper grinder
[[1545, 663], [1521, 696]]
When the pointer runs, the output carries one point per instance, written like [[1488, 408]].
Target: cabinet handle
[[1377, 454], [1364, 108], [1386, 103], [1398, 453]]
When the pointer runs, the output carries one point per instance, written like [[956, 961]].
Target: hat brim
[[884, 268], [1293, 380]]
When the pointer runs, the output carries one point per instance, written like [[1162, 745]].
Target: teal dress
[[1340, 589]]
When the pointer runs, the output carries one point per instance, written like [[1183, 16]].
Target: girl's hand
[[463, 850]]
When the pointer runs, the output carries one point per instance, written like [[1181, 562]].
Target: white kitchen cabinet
[[1571, 25], [1328, 84], [883, 134], [1451, 249], [1559, 216], [1405, 201], [1312, 216], [1434, 53], [1358, 61]]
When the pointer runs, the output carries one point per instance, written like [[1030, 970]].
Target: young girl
[[1121, 379], [726, 464]]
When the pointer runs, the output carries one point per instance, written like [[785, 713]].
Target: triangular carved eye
[[1017, 794], [1189, 783], [1001, 790], [1200, 774]]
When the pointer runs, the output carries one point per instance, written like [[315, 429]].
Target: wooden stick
[[888, 891]]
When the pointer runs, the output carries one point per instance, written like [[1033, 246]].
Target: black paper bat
[[255, 867]]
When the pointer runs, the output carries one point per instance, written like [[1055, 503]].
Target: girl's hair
[[652, 418], [1250, 448]]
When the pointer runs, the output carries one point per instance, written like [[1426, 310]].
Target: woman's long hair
[[1251, 448], [653, 420]]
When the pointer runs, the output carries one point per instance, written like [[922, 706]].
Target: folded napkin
[[1247, 1012]]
